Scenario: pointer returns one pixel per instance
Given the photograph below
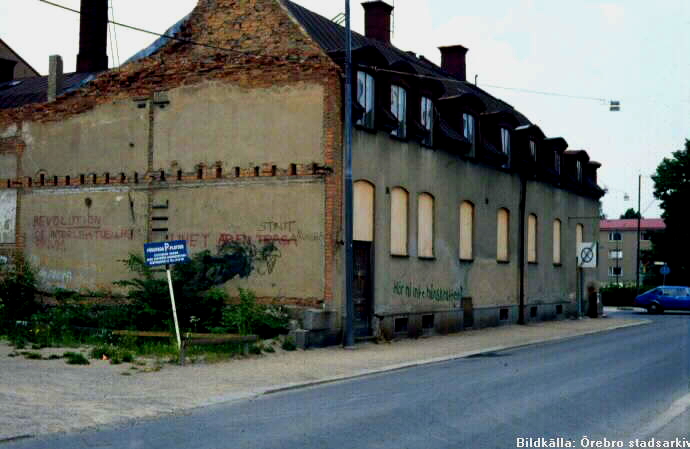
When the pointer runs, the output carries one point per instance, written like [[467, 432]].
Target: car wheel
[[655, 308]]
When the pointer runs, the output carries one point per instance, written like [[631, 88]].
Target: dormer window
[[533, 149], [399, 110], [365, 97], [557, 162], [579, 171], [505, 145], [468, 129], [427, 116]]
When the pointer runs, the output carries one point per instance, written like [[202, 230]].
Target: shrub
[[18, 291], [248, 317], [289, 344], [75, 358], [621, 295]]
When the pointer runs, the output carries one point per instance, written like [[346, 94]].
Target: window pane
[[502, 235], [466, 230], [532, 238], [427, 117], [399, 221], [363, 211], [398, 109], [425, 226], [365, 97], [556, 241]]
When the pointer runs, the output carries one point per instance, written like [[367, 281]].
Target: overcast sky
[[633, 51]]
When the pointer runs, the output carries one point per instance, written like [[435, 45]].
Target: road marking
[[676, 409]]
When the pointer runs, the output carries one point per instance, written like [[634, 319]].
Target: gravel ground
[[43, 396]]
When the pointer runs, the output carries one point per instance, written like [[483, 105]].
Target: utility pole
[[639, 218], [349, 339]]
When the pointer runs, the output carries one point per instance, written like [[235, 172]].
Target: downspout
[[521, 247]]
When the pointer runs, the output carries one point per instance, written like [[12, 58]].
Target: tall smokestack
[[377, 20], [93, 36], [453, 61]]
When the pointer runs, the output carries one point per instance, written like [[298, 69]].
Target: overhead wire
[[117, 47]]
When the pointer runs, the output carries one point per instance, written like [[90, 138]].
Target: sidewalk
[[39, 397]]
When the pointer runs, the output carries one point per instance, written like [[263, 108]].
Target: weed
[[115, 354], [255, 349], [13, 354], [125, 373], [269, 348], [75, 358], [289, 344], [54, 357], [32, 355]]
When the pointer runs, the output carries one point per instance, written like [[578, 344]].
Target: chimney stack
[[377, 20], [54, 77], [453, 61], [93, 36]]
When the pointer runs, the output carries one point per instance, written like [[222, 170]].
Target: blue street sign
[[165, 253], [665, 270]]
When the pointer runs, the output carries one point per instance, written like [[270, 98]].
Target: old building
[[13, 66], [464, 209], [618, 248]]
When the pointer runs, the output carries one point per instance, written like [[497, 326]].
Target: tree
[[631, 213], [672, 188]]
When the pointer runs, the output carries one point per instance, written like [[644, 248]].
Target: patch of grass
[[75, 358], [125, 373], [54, 357], [255, 349], [115, 354], [289, 344], [37, 346], [32, 355]]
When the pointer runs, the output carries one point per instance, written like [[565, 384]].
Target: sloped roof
[[630, 224], [35, 89], [331, 37]]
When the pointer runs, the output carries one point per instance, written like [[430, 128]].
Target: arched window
[[557, 241], [502, 235], [579, 232], [363, 211], [399, 201], [466, 230], [425, 225], [532, 238]]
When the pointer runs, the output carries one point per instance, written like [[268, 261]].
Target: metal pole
[[639, 217], [349, 305], [521, 248], [172, 300]]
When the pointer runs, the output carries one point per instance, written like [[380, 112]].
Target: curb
[[416, 363]]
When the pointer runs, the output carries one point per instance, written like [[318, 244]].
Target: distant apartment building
[[618, 247]]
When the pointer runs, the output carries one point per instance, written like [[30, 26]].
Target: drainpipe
[[349, 340], [521, 247]]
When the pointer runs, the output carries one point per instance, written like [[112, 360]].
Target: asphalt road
[[617, 386]]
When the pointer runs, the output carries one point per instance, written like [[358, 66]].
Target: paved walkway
[[45, 396]]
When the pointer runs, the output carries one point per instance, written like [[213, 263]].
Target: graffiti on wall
[[8, 214], [428, 292], [53, 232]]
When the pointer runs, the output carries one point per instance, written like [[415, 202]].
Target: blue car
[[664, 298]]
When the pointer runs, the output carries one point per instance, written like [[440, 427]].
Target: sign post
[[586, 258], [665, 270], [167, 253]]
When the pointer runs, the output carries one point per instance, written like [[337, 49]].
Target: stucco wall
[[216, 122], [76, 238], [109, 138], [288, 214], [402, 284]]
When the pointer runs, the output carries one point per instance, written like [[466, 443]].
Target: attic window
[[505, 145], [579, 171], [365, 98], [399, 110], [468, 129], [557, 162], [427, 117], [533, 149]]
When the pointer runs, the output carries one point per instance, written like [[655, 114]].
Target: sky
[[633, 51]]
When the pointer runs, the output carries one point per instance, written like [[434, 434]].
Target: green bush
[[248, 317], [75, 358], [289, 344], [621, 295], [17, 292]]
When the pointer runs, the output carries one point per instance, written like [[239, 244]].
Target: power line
[[153, 33], [117, 48]]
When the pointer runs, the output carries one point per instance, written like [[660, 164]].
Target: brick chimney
[[93, 36], [54, 77], [377, 20], [453, 61]]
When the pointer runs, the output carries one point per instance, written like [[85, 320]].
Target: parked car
[[664, 298]]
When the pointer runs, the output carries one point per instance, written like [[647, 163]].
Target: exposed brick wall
[[255, 44]]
